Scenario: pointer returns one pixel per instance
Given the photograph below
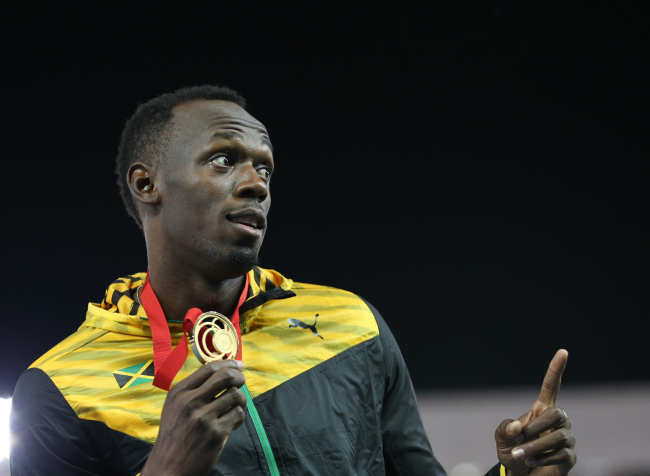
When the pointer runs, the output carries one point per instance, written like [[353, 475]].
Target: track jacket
[[329, 397]]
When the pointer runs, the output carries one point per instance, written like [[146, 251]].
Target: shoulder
[[69, 345], [338, 311], [353, 308], [339, 297]]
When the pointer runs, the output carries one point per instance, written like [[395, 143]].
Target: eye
[[220, 160], [264, 173]]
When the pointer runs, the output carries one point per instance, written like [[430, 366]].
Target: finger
[[565, 456], [220, 381], [233, 418], [553, 417], [233, 397], [561, 438], [553, 378], [199, 377], [509, 433]]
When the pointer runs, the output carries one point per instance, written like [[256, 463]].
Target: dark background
[[474, 169]]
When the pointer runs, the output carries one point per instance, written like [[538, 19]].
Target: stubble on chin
[[223, 262], [231, 263]]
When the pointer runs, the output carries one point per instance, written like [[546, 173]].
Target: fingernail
[[518, 453], [520, 439], [531, 461], [240, 364]]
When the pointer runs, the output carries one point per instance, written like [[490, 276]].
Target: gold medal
[[213, 338]]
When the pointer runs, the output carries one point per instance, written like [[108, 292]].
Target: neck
[[178, 292]]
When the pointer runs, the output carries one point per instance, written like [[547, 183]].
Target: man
[[321, 387]]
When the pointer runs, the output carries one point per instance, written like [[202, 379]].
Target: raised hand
[[540, 442], [194, 425]]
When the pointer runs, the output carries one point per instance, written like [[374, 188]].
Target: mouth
[[250, 221]]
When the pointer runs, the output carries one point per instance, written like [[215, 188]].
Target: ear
[[141, 182]]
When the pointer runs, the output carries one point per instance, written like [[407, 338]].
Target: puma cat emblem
[[302, 325]]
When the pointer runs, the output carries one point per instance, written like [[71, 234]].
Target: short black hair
[[146, 129]]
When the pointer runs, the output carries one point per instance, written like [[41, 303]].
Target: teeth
[[251, 224], [249, 221]]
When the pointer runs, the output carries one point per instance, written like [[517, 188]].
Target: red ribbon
[[168, 362]]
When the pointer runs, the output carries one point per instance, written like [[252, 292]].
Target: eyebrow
[[232, 135]]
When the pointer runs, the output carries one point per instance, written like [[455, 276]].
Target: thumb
[[509, 433]]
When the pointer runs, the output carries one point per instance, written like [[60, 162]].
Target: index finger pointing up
[[551, 385]]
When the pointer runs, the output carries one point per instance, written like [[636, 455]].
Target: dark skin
[[540, 442], [204, 211], [203, 207]]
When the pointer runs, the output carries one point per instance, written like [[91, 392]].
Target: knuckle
[[564, 454], [572, 440], [500, 432], [228, 393], [230, 377], [240, 398], [556, 413], [220, 432], [202, 421], [566, 421], [239, 413], [175, 393], [208, 368], [185, 407], [563, 436], [217, 366]]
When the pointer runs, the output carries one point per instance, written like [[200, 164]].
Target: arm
[[49, 438], [400, 417], [406, 446]]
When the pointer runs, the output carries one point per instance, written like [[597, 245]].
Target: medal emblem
[[213, 338]]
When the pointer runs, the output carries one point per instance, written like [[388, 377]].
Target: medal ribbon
[[168, 362]]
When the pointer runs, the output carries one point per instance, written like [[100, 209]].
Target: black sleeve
[[48, 437], [406, 446], [495, 471]]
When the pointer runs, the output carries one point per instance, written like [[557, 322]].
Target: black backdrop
[[474, 169]]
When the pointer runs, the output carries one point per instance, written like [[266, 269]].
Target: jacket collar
[[120, 312]]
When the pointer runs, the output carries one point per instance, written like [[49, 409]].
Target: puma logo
[[302, 325]]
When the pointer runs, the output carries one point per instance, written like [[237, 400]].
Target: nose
[[251, 185]]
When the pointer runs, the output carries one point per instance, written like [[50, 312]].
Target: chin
[[225, 262], [242, 260]]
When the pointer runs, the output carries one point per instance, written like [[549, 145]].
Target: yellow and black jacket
[[332, 399]]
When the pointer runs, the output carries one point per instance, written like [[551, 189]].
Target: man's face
[[215, 190]]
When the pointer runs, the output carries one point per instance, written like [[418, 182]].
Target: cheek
[[193, 205]]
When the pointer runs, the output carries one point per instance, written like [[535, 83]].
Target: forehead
[[198, 118]]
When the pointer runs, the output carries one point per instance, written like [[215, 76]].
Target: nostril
[[253, 189]]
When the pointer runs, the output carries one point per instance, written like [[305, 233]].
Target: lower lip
[[249, 230]]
